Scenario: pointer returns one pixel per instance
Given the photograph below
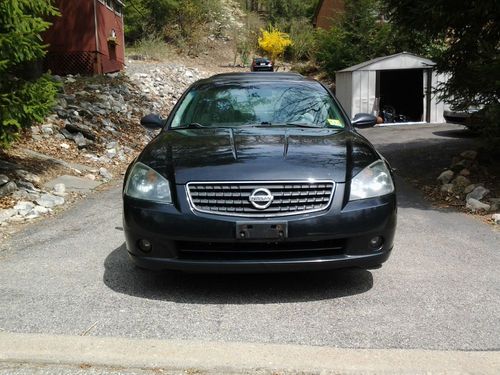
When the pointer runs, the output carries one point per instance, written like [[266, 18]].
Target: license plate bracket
[[247, 230]]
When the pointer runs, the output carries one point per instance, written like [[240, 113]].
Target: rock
[[469, 188], [475, 205], [25, 195], [6, 214], [445, 177], [85, 130], [64, 146], [457, 167], [3, 179], [478, 193], [49, 200], [28, 186], [105, 173], [496, 218], [59, 189], [47, 129], [465, 172], [41, 210], [469, 154], [447, 188], [6, 166], [73, 184], [28, 176], [24, 208], [461, 181], [67, 134], [80, 140], [8, 188], [90, 176], [495, 204], [111, 153]]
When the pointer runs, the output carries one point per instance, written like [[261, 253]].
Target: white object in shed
[[403, 81]]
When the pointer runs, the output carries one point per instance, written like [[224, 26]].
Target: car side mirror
[[364, 120], [152, 122]]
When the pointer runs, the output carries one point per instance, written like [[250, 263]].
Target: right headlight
[[147, 184], [373, 181]]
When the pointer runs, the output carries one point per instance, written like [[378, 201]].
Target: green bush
[[23, 99], [183, 23]]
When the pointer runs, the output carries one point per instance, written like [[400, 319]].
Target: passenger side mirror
[[152, 122], [364, 120]]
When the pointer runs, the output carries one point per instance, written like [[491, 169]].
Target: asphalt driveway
[[439, 290]]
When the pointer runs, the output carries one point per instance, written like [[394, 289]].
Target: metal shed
[[402, 83]]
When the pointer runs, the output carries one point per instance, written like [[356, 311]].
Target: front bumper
[[182, 239]]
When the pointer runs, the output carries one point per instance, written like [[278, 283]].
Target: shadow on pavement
[[121, 276], [456, 133]]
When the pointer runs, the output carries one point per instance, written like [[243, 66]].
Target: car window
[[270, 103]]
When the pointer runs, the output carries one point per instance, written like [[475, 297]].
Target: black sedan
[[261, 64], [254, 172]]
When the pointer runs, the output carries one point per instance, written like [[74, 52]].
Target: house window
[[118, 7]]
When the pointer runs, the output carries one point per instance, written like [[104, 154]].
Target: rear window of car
[[261, 60], [270, 103]]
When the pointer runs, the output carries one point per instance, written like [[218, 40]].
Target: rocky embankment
[[91, 137], [461, 185]]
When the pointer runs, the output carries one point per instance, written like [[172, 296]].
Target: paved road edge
[[221, 357]]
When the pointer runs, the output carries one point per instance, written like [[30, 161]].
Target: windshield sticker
[[334, 122]]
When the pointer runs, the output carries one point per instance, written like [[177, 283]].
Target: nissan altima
[[258, 172]]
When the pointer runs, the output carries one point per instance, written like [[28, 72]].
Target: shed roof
[[402, 60]]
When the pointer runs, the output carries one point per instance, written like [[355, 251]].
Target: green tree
[[181, 22], [470, 30], [359, 34], [23, 98], [280, 10]]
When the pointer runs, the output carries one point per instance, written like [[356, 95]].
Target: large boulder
[[475, 205], [8, 188], [478, 193], [445, 177]]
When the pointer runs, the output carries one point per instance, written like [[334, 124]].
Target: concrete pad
[[233, 357], [73, 184]]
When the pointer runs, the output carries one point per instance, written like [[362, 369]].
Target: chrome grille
[[232, 198]]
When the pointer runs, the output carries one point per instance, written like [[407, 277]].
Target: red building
[[88, 38], [327, 12]]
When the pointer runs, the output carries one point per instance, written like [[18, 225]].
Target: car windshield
[[305, 104]]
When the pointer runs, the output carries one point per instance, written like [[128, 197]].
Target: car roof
[[240, 77]]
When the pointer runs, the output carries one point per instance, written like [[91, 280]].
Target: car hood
[[258, 154]]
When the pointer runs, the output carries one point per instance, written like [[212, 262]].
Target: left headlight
[[373, 181], [145, 183]]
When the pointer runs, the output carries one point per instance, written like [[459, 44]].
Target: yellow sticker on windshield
[[334, 122]]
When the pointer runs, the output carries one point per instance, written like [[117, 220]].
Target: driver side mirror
[[152, 122], [364, 120]]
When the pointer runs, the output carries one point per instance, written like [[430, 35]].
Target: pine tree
[[23, 98]]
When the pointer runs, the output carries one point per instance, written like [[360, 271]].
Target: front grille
[[194, 250], [233, 198]]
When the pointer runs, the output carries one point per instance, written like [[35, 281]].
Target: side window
[[183, 114]]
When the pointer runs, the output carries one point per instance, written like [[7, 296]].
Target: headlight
[[373, 181], [147, 184]]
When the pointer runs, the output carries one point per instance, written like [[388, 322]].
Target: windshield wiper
[[193, 125], [300, 125]]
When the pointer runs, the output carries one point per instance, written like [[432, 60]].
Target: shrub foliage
[[24, 98]]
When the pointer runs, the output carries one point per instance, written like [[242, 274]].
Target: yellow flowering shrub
[[274, 42]]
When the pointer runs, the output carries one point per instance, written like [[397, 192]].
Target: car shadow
[[456, 133], [123, 277]]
